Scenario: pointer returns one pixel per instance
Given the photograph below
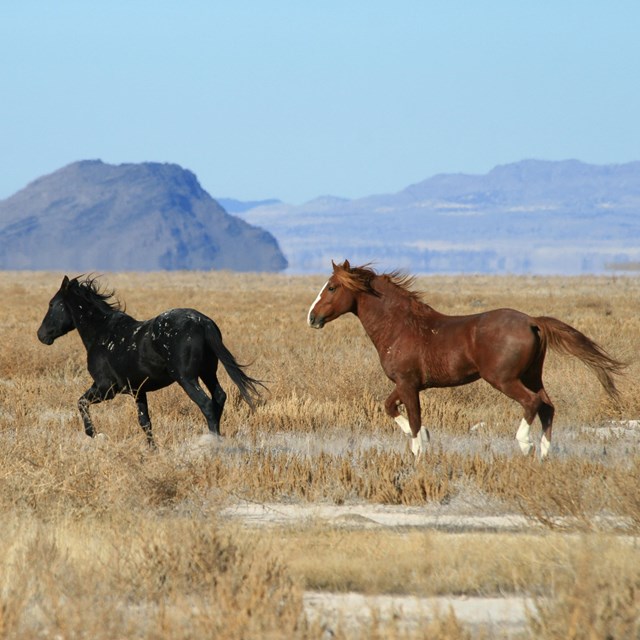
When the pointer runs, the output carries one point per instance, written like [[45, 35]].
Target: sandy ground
[[371, 515], [496, 616]]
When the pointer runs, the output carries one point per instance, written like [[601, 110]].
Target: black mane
[[90, 291]]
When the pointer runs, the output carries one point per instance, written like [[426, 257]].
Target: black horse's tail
[[248, 386]]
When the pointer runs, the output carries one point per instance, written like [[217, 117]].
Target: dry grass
[[419, 563], [141, 577], [104, 538]]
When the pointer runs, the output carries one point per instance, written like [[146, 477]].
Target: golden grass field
[[106, 539]]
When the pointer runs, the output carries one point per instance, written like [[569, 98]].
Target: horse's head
[[336, 297], [57, 321]]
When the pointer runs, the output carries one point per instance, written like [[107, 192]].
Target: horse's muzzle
[[45, 338], [316, 322]]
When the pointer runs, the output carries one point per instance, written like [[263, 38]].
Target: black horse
[[125, 355]]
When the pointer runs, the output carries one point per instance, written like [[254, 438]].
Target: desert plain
[[311, 518]]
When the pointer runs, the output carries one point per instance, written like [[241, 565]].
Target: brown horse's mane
[[360, 279]]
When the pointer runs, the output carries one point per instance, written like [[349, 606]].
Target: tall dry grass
[[134, 576], [108, 539]]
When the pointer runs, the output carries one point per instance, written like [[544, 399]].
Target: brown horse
[[420, 348]]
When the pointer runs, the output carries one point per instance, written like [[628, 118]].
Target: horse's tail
[[565, 339], [248, 386]]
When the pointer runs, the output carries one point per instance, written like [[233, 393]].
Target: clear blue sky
[[296, 99]]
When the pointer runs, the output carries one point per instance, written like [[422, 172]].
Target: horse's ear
[[65, 283], [345, 266]]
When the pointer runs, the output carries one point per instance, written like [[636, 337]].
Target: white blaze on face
[[315, 302]]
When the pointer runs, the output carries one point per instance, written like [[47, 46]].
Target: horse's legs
[[391, 407], [92, 396], [523, 436], [530, 402], [143, 417], [409, 396], [545, 413], [204, 402], [533, 381], [89, 397], [217, 394]]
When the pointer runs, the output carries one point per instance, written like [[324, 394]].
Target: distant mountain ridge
[[532, 216], [230, 205], [91, 216], [535, 182]]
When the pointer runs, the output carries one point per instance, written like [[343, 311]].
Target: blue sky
[[293, 100]]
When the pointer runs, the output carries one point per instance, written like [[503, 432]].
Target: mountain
[[230, 205], [92, 216], [527, 217]]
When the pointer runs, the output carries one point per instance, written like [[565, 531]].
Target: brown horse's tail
[[563, 338]]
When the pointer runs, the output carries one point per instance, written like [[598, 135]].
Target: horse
[[421, 348], [135, 357]]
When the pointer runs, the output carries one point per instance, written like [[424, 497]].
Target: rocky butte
[[93, 216]]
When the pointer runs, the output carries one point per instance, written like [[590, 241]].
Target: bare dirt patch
[[372, 515], [496, 617]]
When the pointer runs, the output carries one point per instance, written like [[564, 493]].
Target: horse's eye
[[331, 288]]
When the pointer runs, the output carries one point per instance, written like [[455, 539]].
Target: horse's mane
[[89, 289], [361, 278]]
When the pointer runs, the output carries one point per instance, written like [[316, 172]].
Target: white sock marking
[[545, 446], [403, 423], [420, 442], [315, 302], [523, 437]]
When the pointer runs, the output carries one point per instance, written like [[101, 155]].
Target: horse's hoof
[[545, 447], [526, 448], [209, 440]]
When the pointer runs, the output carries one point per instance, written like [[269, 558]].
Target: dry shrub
[[375, 476], [390, 480], [447, 627], [592, 600], [420, 563], [567, 492], [582, 495], [54, 472], [172, 578], [625, 494]]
